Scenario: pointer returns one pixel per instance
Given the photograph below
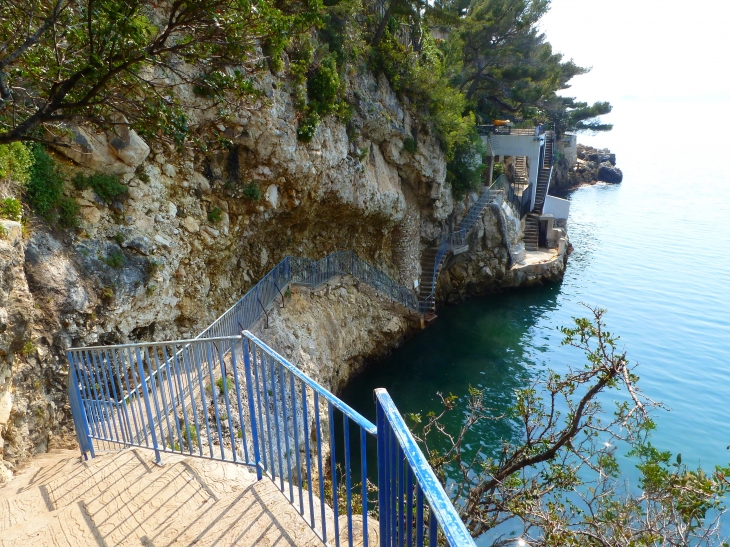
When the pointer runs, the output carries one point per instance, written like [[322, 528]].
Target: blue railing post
[[81, 422], [146, 395], [251, 409]]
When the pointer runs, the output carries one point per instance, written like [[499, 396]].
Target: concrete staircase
[[532, 232], [425, 283], [521, 175], [543, 178], [123, 498]]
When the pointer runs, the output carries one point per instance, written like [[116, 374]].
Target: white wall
[[557, 207], [568, 146], [515, 145]]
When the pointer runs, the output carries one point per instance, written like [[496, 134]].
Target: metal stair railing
[[411, 481], [291, 270], [234, 399], [458, 238]]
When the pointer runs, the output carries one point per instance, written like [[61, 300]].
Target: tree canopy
[[105, 62]]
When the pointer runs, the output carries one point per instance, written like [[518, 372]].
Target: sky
[[666, 50]]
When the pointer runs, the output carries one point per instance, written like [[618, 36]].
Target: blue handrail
[[406, 478], [235, 399]]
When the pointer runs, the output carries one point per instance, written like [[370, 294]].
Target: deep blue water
[[654, 251]]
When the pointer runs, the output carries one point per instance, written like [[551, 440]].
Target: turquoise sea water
[[654, 251]]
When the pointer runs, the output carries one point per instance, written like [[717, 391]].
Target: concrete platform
[[124, 499]]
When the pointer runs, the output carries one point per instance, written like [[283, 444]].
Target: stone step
[[125, 499], [40, 469], [67, 527]]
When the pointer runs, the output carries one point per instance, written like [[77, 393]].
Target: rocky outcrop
[[592, 165], [496, 260], [608, 172], [330, 333]]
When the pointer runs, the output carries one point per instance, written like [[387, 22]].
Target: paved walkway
[[124, 499]]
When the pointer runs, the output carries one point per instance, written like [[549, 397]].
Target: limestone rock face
[[92, 150], [197, 230], [129, 146]]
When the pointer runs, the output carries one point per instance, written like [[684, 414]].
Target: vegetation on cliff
[[104, 63]]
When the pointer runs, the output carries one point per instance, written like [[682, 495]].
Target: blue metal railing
[[234, 399], [300, 271], [303, 271], [413, 504]]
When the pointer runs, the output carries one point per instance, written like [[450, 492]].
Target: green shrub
[[142, 174], [28, 348], [323, 87], [44, 188], [107, 187], [252, 191], [229, 384], [308, 127], [152, 267], [107, 293], [11, 209], [16, 161], [464, 171], [410, 145], [215, 215], [68, 213], [498, 170], [115, 259]]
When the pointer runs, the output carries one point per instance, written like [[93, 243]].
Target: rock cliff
[[197, 229]]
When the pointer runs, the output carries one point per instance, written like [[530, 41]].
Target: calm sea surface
[[654, 251]]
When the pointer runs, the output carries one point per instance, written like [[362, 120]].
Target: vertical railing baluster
[[333, 465], [241, 415], [97, 400], [148, 407], [214, 396], [419, 516], [282, 389], [381, 425], [107, 411], [133, 395], [296, 443], [203, 401], [226, 399], [269, 419], [161, 384], [432, 529], [258, 400], [170, 366], [401, 493], [152, 393], [409, 506], [307, 449], [193, 405], [112, 380], [251, 408], [364, 493], [348, 477], [276, 419], [123, 399], [320, 470]]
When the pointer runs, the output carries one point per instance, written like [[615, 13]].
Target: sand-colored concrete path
[[123, 498]]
